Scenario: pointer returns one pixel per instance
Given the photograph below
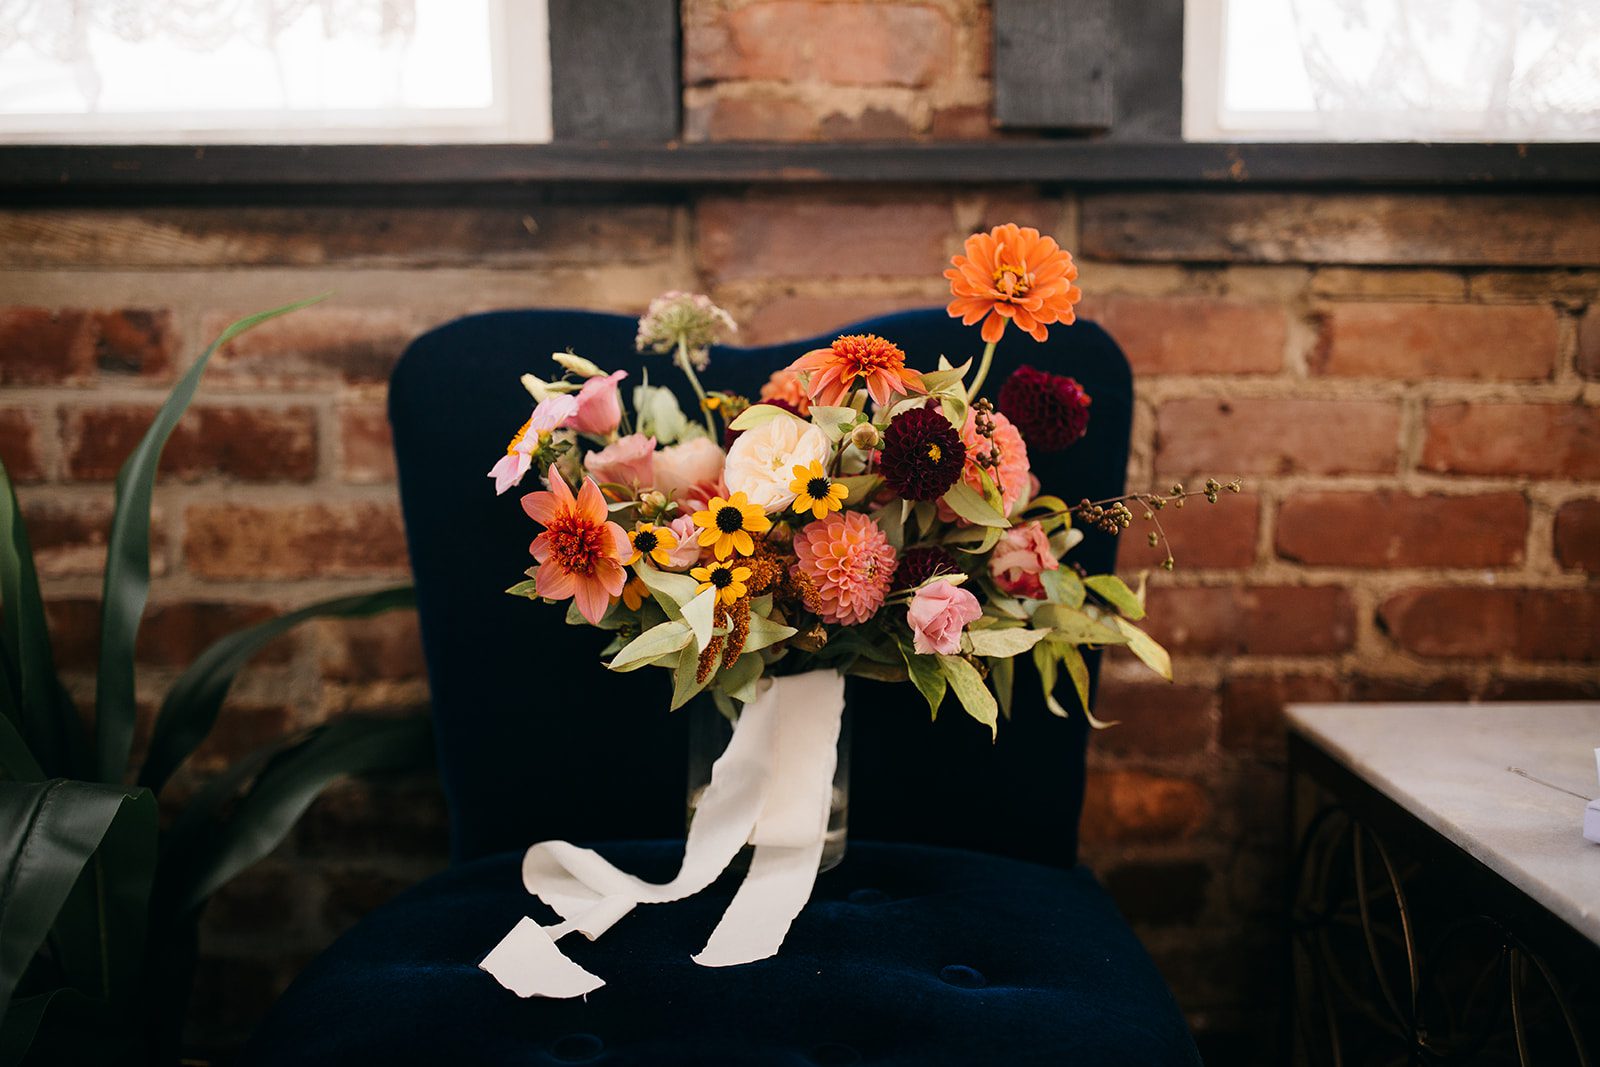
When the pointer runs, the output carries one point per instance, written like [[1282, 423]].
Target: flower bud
[[866, 437]]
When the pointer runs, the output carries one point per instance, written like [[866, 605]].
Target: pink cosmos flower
[[849, 561], [551, 413], [1022, 554], [628, 461], [580, 552], [599, 405], [938, 613]]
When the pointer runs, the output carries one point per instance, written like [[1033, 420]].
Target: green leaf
[[655, 643], [32, 700], [1075, 627], [834, 421], [49, 833], [764, 633], [892, 521], [946, 377], [1063, 586], [991, 492], [969, 689], [1114, 591], [965, 502], [685, 686], [671, 591], [1002, 676], [700, 613], [739, 681], [70, 1028], [955, 409], [127, 573], [1004, 642], [292, 777], [193, 703], [759, 415], [860, 486], [927, 674], [1078, 671], [527, 587], [1146, 648]]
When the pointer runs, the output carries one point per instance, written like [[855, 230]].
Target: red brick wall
[[1409, 384]]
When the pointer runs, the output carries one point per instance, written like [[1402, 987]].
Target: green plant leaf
[[15, 758], [655, 643], [61, 1026], [127, 574], [927, 675], [1063, 586], [1004, 642], [33, 699], [759, 415], [967, 503], [764, 632], [527, 587], [671, 591], [860, 487], [191, 706], [1115, 591], [834, 421], [701, 615], [1076, 627], [968, 686], [1146, 648], [945, 377], [1002, 676], [49, 833], [292, 777], [1078, 671], [685, 686]]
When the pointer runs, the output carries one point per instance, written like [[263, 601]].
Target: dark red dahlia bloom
[[922, 455], [917, 565], [1051, 411]]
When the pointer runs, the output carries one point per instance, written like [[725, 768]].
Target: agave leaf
[[127, 576], [49, 833], [32, 702], [192, 704], [287, 784], [15, 758]]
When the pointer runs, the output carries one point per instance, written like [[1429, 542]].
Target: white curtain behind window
[[1453, 69]]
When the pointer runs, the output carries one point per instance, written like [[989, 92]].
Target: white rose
[[761, 462]]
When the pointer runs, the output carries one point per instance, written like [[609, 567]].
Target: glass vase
[[709, 733]]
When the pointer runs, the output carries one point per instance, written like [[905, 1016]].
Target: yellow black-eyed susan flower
[[653, 542], [726, 578], [726, 525], [815, 492]]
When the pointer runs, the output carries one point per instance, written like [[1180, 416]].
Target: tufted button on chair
[[958, 930]]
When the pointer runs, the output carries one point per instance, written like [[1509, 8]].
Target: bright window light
[[279, 71], [1392, 70]]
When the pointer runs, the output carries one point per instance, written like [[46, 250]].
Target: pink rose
[[938, 613], [628, 461], [687, 554], [1022, 554], [599, 405], [689, 471]]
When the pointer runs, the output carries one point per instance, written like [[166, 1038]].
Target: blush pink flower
[[1013, 474], [549, 414], [580, 552], [690, 471], [627, 461], [1021, 555], [688, 551], [599, 405], [849, 562], [938, 613]]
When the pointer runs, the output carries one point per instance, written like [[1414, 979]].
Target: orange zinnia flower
[[580, 552], [832, 372], [1014, 273]]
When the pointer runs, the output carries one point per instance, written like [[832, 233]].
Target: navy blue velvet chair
[[959, 928]]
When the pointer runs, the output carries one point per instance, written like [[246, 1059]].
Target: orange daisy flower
[[581, 551], [1014, 273], [832, 373]]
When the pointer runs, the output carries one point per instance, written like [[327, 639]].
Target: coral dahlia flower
[[1013, 273], [849, 561], [580, 552], [853, 361]]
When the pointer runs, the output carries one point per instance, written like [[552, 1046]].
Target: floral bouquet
[[859, 516]]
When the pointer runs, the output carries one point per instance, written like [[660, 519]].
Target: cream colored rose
[[761, 462]]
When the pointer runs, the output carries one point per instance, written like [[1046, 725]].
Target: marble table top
[[1505, 782]]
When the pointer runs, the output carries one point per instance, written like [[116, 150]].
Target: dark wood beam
[[382, 172]]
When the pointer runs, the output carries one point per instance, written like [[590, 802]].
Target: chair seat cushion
[[905, 955]]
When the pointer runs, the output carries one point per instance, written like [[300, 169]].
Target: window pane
[[1499, 70], [289, 69]]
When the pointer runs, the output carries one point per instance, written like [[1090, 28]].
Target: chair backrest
[[537, 739]]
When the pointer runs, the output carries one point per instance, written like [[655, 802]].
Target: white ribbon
[[772, 788]]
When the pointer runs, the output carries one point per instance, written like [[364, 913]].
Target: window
[[275, 70], [1369, 70]]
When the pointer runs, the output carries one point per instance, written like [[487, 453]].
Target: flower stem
[[983, 370], [694, 381]]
